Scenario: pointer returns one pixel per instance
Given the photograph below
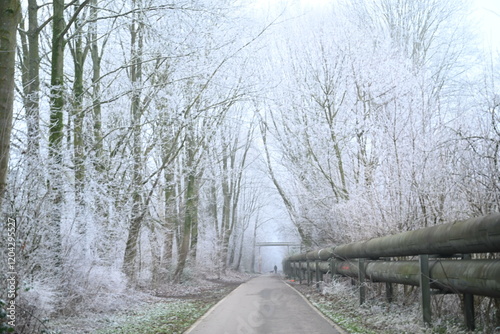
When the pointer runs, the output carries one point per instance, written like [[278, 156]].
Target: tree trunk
[[130, 257], [155, 257], [96, 88], [254, 242], [31, 81], [108, 235], [57, 81], [240, 253], [213, 212], [9, 18], [79, 54], [189, 218], [226, 214], [56, 131], [170, 219], [194, 223]]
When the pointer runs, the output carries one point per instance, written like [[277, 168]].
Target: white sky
[[488, 14]]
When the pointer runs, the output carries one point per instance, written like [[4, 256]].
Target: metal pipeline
[[475, 235], [478, 277], [320, 254]]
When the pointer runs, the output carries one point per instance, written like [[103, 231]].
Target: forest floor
[[168, 309], [339, 301], [174, 308]]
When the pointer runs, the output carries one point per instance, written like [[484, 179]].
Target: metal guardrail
[[444, 262]]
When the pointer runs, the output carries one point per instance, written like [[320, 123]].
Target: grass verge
[[339, 301], [168, 311], [164, 317], [350, 323]]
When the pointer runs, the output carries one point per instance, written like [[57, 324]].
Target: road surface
[[263, 305]]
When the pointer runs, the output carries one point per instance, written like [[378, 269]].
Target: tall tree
[[57, 82], [191, 209], [56, 121], [30, 64], [79, 53], [9, 18], [234, 164], [56, 134], [96, 57], [304, 234], [136, 110]]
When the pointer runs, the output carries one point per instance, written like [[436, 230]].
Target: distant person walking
[[275, 269]]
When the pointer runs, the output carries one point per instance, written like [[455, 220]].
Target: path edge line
[[335, 325], [210, 310]]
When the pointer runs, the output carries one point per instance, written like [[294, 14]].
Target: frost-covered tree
[[144, 128], [108, 159], [229, 162], [361, 118]]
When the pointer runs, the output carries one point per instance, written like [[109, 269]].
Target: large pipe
[[320, 254], [476, 235], [478, 277]]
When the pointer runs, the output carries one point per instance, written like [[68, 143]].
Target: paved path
[[263, 305]]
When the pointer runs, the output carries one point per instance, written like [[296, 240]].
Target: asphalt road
[[263, 305]]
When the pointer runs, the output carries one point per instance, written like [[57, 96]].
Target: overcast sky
[[488, 12]]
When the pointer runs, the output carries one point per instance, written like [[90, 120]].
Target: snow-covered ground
[[171, 308], [339, 301]]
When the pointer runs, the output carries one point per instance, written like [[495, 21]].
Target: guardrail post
[[361, 278], [469, 311], [389, 292], [300, 272], [469, 304], [308, 273], [425, 288], [318, 274], [389, 289], [332, 267], [297, 270]]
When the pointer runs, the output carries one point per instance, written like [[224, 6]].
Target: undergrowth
[[170, 309], [339, 301], [164, 317]]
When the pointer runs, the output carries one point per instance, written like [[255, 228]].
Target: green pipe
[[475, 235], [477, 277]]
